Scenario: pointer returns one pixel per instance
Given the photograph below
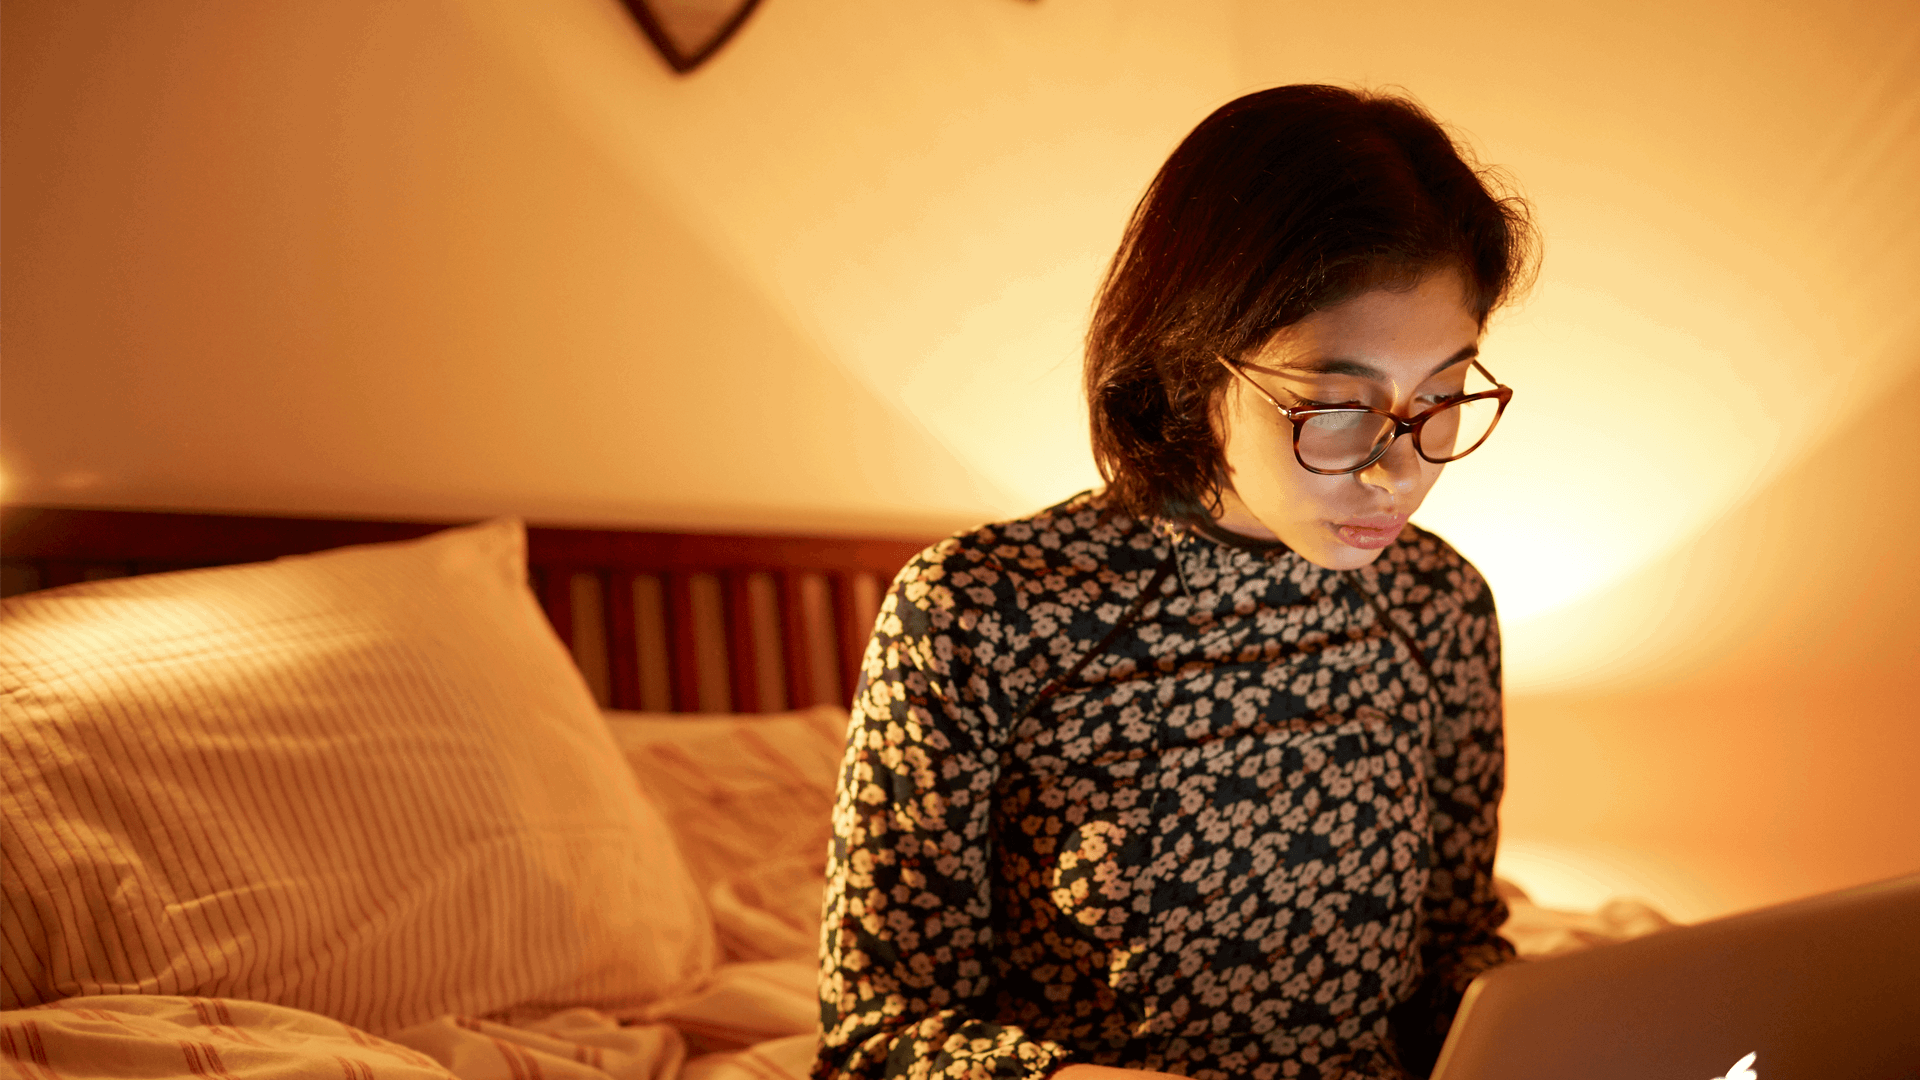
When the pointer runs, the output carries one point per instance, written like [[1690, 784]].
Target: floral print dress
[[1133, 793]]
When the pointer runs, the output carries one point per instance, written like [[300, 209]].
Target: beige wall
[[467, 256], [1749, 728], [458, 257]]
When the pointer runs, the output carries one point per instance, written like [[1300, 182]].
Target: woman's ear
[[1220, 416]]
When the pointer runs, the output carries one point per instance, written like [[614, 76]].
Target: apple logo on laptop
[[1742, 1069]]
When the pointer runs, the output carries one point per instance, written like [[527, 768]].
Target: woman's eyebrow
[[1360, 369]]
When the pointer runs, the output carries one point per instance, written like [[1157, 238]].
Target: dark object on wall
[[687, 32]]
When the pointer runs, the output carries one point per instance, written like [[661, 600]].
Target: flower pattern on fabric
[[1123, 792]]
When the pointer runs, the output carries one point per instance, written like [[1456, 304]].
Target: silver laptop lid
[[1826, 988]]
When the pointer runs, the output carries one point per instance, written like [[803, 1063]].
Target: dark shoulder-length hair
[[1280, 204]]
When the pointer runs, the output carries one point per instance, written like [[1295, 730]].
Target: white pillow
[[368, 783]]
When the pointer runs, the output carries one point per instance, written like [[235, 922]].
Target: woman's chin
[[1346, 559], [1331, 550]]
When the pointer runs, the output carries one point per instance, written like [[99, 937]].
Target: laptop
[[1826, 988]]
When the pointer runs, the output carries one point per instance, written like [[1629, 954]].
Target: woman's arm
[[1462, 914], [907, 935]]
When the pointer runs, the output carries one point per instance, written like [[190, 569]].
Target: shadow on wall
[[1756, 733]]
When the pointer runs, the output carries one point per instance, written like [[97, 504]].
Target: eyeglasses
[[1336, 439]]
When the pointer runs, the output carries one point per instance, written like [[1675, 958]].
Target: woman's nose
[[1397, 470]]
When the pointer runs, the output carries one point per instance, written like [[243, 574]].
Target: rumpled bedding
[[1540, 932], [127, 1035], [747, 799]]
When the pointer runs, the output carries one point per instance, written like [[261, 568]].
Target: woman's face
[[1398, 351]]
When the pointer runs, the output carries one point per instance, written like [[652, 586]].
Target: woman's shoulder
[[1083, 535]]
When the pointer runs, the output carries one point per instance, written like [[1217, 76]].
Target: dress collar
[[1242, 541]]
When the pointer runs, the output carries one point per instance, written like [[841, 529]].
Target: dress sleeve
[[906, 986], [1462, 913]]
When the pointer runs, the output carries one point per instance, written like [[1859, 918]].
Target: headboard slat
[[556, 599], [742, 661], [650, 626], [623, 640], [683, 660], [589, 645], [769, 655], [793, 640], [847, 636]]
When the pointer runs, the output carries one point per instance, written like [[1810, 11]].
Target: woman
[[1199, 774]]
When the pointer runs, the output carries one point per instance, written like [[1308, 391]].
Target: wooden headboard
[[660, 621]]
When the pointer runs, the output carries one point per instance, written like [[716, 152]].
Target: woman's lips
[[1370, 533]]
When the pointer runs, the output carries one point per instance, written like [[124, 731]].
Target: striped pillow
[[368, 783]]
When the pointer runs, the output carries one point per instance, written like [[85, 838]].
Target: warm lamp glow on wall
[[1660, 381]]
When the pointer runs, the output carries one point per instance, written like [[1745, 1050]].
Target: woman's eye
[[1316, 403], [1340, 421]]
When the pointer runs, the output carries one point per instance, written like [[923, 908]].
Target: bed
[[418, 800]]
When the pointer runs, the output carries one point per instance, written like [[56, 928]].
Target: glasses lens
[[1341, 440], [1456, 430]]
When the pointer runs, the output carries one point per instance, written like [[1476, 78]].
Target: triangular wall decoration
[[687, 32]]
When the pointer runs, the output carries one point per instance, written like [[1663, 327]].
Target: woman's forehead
[[1385, 335], [1348, 367]]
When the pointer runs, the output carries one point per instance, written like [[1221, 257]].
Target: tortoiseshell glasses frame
[[1300, 415]]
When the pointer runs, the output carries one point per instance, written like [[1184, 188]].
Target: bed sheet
[[747, 800], [754, 1022]]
